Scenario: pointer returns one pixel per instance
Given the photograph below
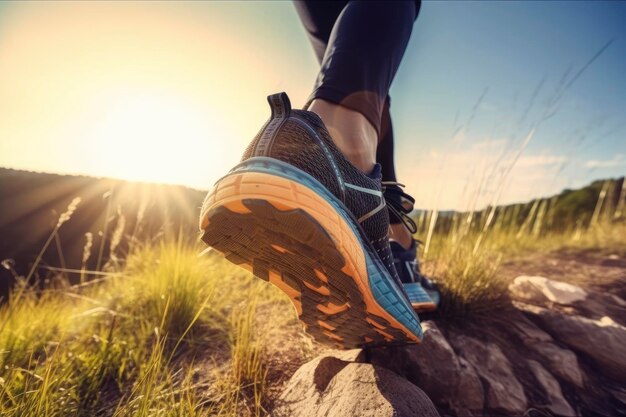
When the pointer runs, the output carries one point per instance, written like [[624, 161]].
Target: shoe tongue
[[376, 173]]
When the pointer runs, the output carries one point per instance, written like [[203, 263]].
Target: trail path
[[558, 357]]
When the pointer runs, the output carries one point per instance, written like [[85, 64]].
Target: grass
[[466, 259], [170, 334], [469, 282], [164, 332]]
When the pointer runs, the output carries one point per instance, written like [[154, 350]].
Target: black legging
[[359, 45]]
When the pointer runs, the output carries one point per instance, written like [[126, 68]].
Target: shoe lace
[[399, 203]]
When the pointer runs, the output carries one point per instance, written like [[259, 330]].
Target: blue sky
[[83, 82], [459, 50]]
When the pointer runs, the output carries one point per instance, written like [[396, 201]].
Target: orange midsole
[[285, 194], [424, 306]]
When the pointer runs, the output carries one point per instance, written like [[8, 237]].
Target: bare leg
[[353, 134]]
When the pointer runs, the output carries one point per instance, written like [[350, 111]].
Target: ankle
[[353, 134], [401, 234], [357, 152]]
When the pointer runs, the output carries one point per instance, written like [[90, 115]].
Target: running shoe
[[422, 292], [295, 212]]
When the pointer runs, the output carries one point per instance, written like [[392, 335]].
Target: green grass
[[173, 334]]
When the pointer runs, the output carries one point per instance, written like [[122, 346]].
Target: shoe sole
[[266, 217], [419, 298], [435, 298], [424, 307]]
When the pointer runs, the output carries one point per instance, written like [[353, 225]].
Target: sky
[[494, 102]]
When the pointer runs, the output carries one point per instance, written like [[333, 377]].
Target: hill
[[106, 217], [561, 212]]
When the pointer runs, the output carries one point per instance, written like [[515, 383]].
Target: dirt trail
[[598, 270]]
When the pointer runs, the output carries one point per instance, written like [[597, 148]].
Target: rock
[[503, 392], [598, 305], [351, 355], [431, 365], [328, 386], [601, 340], [530, 332], [552, 390], [619, 394], [617, 300], [435, 368], [469, 392], [561, 362], [540, 289]]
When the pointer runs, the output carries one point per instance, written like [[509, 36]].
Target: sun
[[156, 137]]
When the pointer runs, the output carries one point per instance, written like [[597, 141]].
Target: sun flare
[[157, 99], [151, 137]]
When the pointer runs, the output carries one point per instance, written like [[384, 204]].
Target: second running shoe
[[297, 213], [423, 293]]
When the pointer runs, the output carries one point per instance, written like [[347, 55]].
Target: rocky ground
[[560, 349]]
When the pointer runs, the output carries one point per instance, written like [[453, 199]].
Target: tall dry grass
[[465, 256]]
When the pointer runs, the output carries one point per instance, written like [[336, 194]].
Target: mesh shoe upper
[[301, 139]]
